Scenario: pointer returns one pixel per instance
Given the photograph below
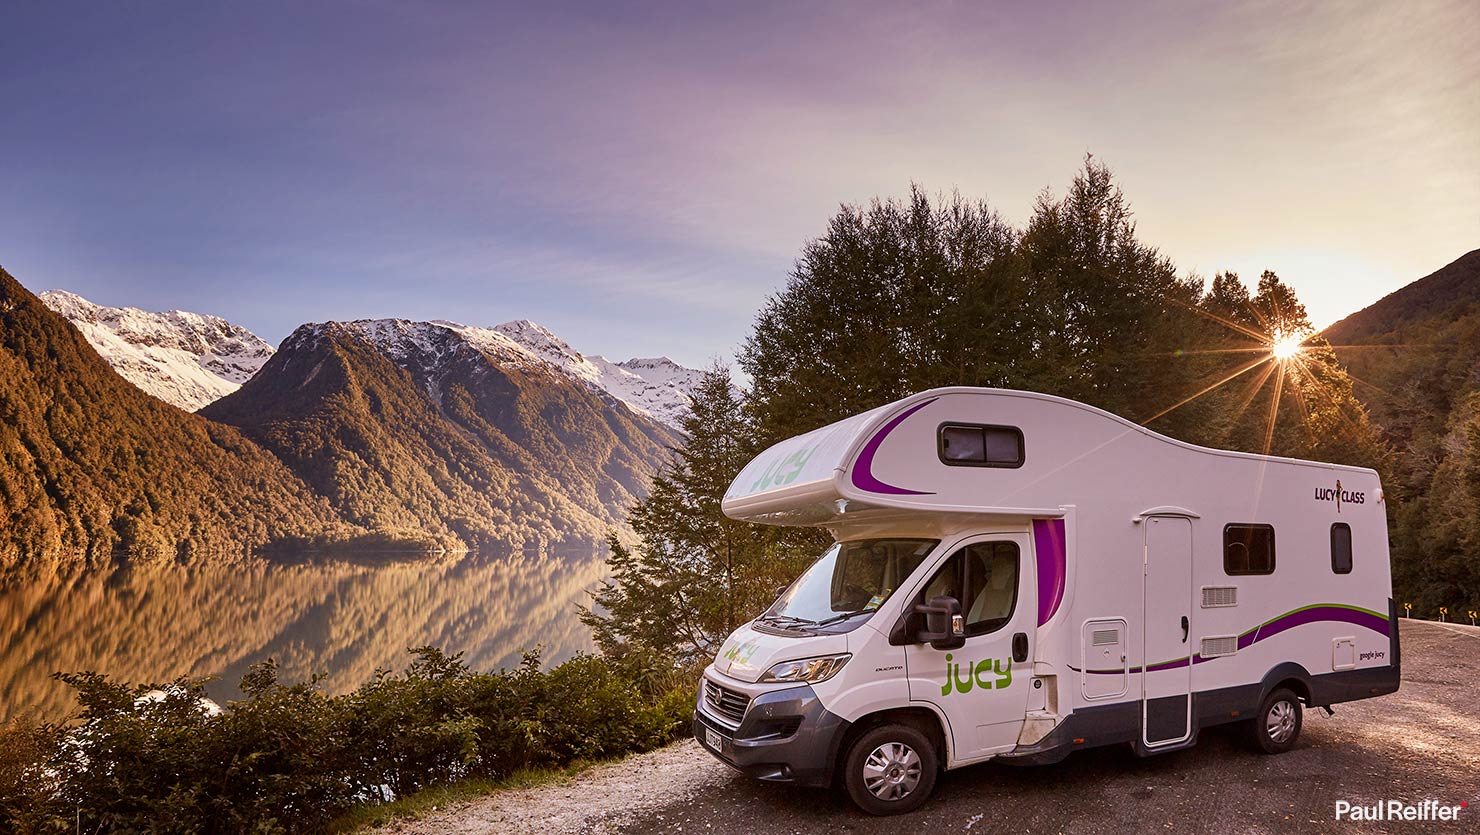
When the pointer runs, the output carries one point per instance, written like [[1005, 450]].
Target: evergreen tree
[[895, 298], [695, 575], [910, 295], [1106, 309]]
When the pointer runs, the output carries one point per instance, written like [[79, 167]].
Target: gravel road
[[1420, 743]]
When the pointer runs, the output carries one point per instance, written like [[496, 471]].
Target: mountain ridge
[[1415, 356], [185, 359], [1428, 297], [452, 430], [192, 359], [92, 468]]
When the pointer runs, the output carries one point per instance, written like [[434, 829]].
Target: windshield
[[851, 579]]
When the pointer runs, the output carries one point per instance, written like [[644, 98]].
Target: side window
[[983, 576], [971, 445], [1341, 548], [1248, 549], [947, 580], [992, 580]]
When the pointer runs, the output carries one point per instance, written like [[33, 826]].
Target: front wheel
[[1277, 726], [890, 770]]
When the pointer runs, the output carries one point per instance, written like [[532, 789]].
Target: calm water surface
[[340, 619]]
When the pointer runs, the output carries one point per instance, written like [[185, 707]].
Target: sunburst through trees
[[1277, 387]]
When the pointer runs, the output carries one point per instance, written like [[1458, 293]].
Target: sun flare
[[1286, 346]]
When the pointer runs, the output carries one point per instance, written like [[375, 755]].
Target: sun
[[1285, 346]]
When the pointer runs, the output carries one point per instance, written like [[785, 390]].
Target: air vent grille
[[1214, 647], [1105, 637], [1214, 597]]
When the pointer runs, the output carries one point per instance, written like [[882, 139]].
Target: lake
[[341, 619]]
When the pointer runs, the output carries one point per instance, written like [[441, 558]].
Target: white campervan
[[1017, 576]]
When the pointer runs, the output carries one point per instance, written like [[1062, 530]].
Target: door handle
[[1020, 647], [1184, 629]]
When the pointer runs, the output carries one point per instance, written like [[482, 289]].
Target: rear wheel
[[890, 770], [1277, 726]]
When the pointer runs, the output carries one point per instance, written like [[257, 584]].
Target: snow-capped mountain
[[186, 359], [191, 359], [659, 389]]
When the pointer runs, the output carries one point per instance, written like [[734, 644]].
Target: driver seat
[[994, 602]]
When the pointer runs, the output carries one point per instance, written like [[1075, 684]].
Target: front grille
[[724, 702]]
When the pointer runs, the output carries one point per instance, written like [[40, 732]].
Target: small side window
[[972, 445], [1341, 548], [1248, 549]]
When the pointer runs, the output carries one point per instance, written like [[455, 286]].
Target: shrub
[[287, 758]]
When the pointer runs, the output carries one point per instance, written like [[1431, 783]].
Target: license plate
[[713, 740]]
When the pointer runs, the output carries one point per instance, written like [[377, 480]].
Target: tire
[[1277, 727], [890, 770]]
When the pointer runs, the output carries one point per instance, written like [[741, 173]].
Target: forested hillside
[[1416, 354], [90, 464], [409, 426]]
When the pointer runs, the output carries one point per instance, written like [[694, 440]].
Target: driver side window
[[983, 576]]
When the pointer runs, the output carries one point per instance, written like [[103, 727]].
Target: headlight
[[817, 669]]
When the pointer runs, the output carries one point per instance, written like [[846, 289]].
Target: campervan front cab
[[1017, 576]]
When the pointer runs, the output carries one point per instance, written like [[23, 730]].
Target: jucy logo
[[741, 652], [974, 673], [783, 471]]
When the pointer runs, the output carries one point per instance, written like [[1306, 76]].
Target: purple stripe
[[863, 476], [1048, 544], [1340, 614], [1289, 620]]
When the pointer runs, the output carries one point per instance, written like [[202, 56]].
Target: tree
[[1301, 406], [912, 294], [1107, 310], [695, 575], [894, 298]]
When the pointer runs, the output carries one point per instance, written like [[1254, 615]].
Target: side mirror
[[780, 590], [944, 626]]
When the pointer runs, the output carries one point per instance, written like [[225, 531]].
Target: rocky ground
[[1420, 743]]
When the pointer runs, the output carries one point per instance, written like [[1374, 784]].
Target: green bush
[[286, 758]]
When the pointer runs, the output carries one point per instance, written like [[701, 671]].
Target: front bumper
[[786, 736]]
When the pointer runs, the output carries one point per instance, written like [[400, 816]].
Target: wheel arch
[[1289, 675], [925, 719]]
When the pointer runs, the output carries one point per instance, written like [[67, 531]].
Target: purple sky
[[640, 181]]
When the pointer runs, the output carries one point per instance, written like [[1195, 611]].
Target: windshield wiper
[[845, 616], [786, 620]]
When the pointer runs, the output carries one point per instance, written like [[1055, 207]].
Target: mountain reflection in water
[[341, 619]]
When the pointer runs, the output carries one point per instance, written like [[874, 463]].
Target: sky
[[640, 177]]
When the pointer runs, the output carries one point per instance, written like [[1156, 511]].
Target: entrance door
[[1166, 624], [980, 687]]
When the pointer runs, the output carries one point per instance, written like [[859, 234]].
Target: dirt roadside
[[1420, 743]]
